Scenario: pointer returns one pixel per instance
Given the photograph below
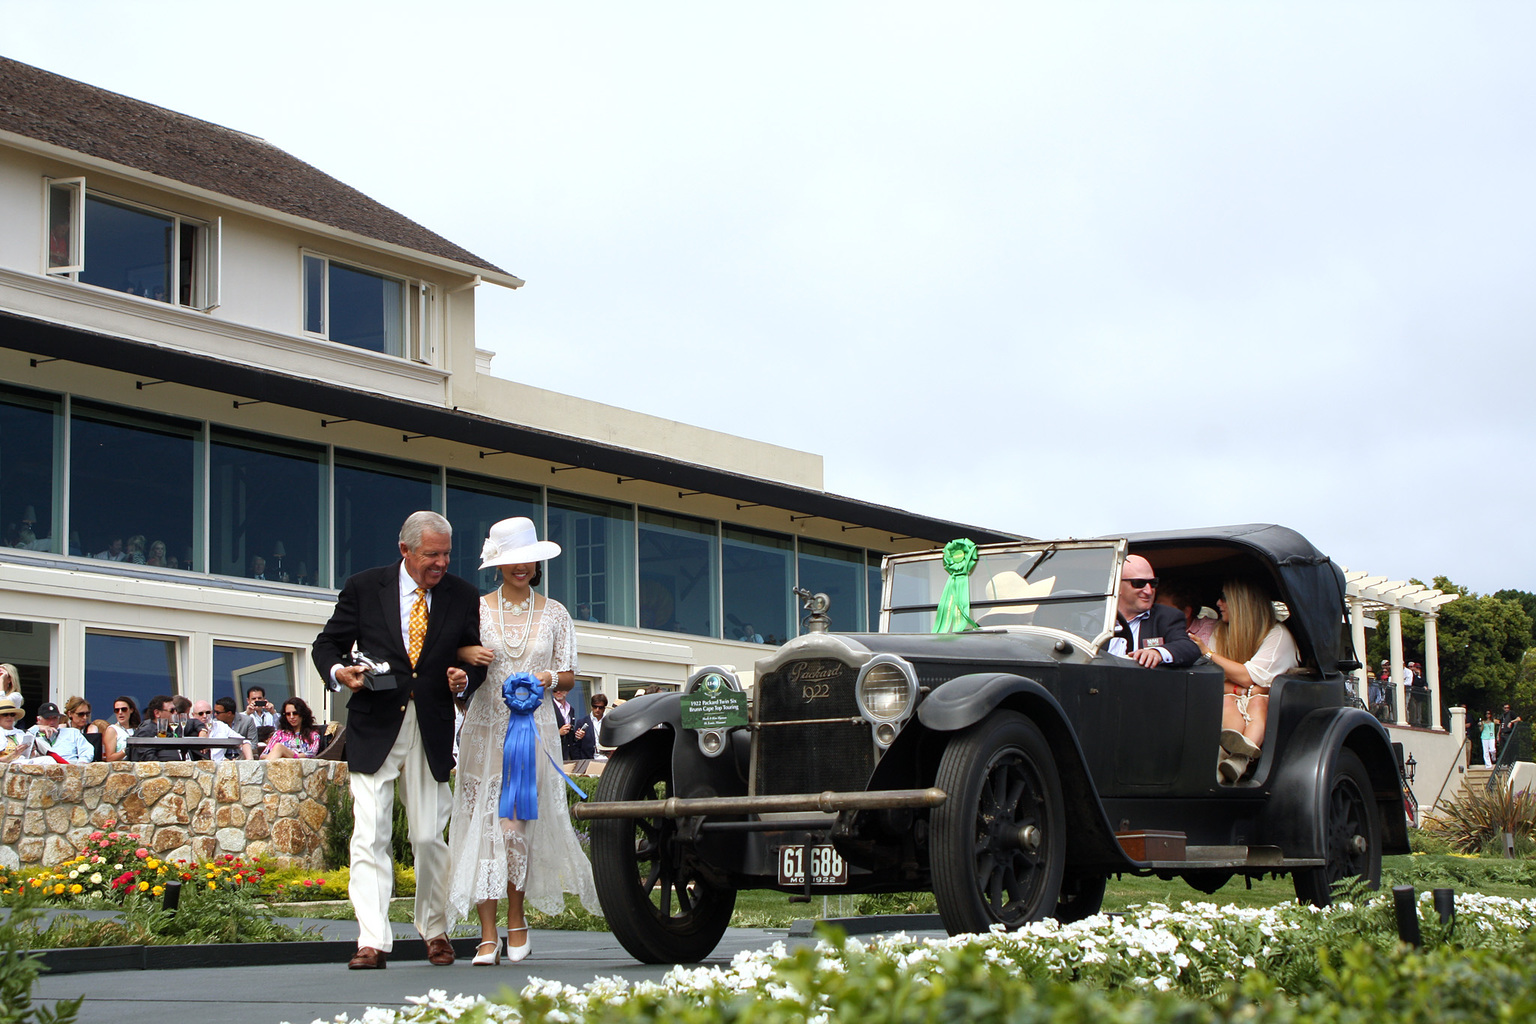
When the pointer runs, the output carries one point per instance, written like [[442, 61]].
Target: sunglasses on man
[[1137, 582]]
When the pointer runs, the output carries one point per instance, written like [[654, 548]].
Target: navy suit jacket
[[368, 613], [1167, 628]]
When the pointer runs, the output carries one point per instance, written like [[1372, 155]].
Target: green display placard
[[719, 710]]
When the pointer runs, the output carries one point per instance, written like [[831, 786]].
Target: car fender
[[965, 700], [693, 774], [1295, 815], [639, 715]]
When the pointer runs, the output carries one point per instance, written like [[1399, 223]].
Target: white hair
[[418, 523]]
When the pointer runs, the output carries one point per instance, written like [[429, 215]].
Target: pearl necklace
[[515, 647]]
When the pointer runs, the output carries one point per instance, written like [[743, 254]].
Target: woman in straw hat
[[508, 843]]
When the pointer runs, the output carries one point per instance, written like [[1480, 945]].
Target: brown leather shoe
[[368, 959], [440, 951]]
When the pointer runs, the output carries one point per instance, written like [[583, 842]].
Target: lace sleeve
[[564, 654]]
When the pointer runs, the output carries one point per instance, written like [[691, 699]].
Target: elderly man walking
[[415, 616]]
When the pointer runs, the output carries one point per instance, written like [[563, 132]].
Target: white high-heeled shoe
[[490, 959], [516, 953]]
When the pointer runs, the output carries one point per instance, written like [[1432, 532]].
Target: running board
[[1161, 850]]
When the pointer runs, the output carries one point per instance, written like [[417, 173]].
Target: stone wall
[[182, 810]]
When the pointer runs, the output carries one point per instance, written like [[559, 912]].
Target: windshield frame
[[1117, 546]]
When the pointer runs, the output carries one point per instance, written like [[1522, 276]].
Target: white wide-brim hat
[[515, 542]]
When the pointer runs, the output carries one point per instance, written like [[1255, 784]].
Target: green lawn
[[769, 909]]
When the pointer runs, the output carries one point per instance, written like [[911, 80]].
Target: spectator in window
[[297, 736], [259, 708], [64, 740], [125, 715], [225, 711], [114, 551], [135, 549], [258, 568], [218, 728], [162, 712], [156, 555]]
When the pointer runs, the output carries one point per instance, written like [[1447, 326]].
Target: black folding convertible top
[[1311, 585]]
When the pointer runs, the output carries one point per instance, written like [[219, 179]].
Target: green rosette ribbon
[[954, 613]]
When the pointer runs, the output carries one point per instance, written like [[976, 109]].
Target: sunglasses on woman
[[122, 711]]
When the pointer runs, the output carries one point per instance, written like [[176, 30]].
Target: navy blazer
[[1167, 628], [368, 613]]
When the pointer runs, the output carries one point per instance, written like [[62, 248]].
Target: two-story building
[[225, 380]]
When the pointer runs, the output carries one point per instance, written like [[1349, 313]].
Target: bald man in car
[[1152, 634]]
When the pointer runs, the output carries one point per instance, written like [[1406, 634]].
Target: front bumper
[[828, 802]]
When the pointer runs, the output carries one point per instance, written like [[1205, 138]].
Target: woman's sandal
[[490, 959], [516, 953]]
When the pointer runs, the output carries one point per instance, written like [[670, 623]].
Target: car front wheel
[[999, 841], [1351, 834], [660, 906]]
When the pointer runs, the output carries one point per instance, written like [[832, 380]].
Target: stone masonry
[[182, 810]]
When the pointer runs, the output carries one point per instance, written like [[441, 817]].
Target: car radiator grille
[[814, 755]]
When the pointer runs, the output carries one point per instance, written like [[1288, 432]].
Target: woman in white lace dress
[[534, 862]]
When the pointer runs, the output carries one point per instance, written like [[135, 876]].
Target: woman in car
[[1251, 648]]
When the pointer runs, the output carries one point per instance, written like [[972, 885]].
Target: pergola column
[[1395, 635], [1357, 638], [1432, 668]]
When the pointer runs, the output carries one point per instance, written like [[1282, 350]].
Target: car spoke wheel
[[658, 903], [1080, 897], [1351, 834], [999, 840]]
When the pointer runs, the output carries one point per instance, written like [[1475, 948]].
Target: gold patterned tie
[[416, 630]]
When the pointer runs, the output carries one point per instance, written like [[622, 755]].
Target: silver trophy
[[376, 674]]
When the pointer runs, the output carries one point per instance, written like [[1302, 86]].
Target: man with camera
[[258, 708]]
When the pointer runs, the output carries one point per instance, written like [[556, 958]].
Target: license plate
[[825, 864]]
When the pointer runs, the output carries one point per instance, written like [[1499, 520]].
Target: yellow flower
[[58, 890], [152, 863], [143, 886], [158, 890], [75, 889], [211, 885]]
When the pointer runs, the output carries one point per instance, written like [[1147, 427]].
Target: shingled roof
[[63, 112]]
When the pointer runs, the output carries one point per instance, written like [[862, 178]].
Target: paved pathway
[[304, 993]]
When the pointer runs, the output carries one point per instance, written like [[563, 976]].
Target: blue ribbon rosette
[[519, 752], [523, 693]]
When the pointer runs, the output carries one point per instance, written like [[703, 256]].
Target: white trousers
[[428, 803]]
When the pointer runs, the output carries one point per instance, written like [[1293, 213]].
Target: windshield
[[1068, 585]]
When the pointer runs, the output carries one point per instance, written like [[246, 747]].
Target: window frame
[[205, 265], [417, 299]]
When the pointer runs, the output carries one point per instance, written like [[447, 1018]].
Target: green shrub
[[1478, 821], [19, 969], [336, 847]]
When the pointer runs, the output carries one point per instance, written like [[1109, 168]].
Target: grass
[[763, 908]]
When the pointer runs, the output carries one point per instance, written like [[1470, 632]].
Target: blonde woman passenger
[[1251, 647], [532, 862]]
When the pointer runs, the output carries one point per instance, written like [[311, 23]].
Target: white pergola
[[1368, 596]]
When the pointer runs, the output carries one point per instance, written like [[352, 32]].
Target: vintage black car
[[1011, 768]]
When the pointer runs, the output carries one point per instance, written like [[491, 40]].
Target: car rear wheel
[[659, 904], [1080, 897], [1351, 834], [999, 842]]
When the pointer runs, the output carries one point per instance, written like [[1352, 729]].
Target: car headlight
[[886, 688]]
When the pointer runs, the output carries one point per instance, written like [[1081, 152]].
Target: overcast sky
[[1059, 269]]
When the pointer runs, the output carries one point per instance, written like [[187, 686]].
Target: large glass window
[[839, 573], [355, 306], [236, 668], [594, 576], [373, 499], [266, 502], [127, 247], [136, 479], [30, 426], [140, 667], [475, 504], [758, 571], [679, 574]]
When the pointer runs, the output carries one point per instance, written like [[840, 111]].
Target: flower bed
[[113, 864], [1196, 963]]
